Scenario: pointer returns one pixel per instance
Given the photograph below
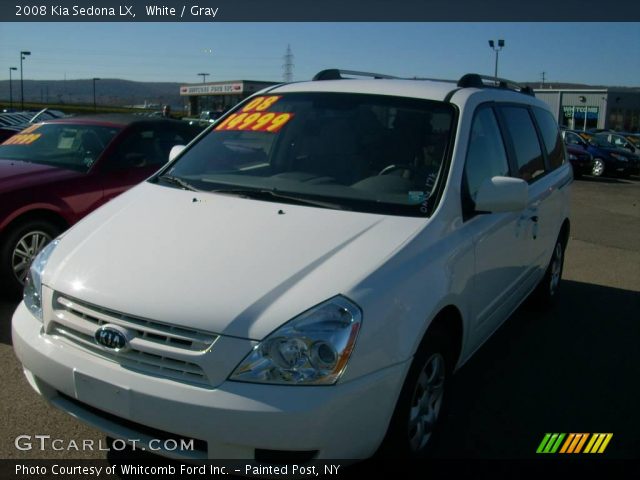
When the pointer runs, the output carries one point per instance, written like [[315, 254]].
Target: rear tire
[[422, 400], [545, 294], [19, 247]]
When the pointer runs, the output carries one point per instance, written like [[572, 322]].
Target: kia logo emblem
[[112, 337]]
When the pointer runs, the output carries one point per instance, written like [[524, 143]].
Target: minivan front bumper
[[343, 421]]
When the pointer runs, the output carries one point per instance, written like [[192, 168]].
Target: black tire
[[40, 232], [598, 167], [401, 441], [546, 292]]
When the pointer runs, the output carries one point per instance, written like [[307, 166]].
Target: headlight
[[311, 349], [572, 157], [619, 157], [33, 285]]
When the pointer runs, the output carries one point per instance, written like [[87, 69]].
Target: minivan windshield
[[357, 152]]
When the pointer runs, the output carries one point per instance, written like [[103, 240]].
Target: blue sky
[[592, 53]]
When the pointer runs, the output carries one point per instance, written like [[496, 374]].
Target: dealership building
[[581, 109], [219, 96]]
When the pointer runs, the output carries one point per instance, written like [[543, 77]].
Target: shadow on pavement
[[6, 312], [604, 179], [572, 369]]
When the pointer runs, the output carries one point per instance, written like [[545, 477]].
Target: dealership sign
[[578, 112], [212, 89]]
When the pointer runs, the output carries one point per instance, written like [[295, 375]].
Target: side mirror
[[175, 151], [502, 194]]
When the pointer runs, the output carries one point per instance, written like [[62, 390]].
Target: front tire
[[20, 246], [421, 403], [597, 170]]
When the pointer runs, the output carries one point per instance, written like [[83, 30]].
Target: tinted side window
[[525, 142], [486, 156], [551, 136], [140, 148]]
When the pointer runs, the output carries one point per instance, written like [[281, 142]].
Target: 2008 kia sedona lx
[[305, 276]]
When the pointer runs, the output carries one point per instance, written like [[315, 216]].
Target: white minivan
[[302, 280]]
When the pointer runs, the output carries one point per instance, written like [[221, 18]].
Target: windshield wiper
[[269, 194], [177, 181]]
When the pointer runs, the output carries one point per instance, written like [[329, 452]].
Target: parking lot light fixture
[[11, 69], [23, 55], [204, 76], [496, 49]]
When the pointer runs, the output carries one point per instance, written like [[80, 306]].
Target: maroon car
[[54, 173]]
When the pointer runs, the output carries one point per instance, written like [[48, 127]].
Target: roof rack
[[336, 74], [470, 80], [475, 80]]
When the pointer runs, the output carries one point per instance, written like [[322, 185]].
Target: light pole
[[497, 50], [204, 76], [23, 54], [11, 69], [94, 93]]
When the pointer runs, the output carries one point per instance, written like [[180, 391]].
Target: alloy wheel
[[25, 250], [598, 168], [426, 402], [556, 268]]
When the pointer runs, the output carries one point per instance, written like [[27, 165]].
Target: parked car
[[581, 160], [54, 173], [303, 279], [14, 122], [619, 140], [205, 118], [607, 158]]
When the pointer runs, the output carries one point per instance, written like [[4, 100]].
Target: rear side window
[[486, 156], [551, 137], [529, 161]]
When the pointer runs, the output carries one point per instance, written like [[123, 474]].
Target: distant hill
[[109, 91], [116, 92]]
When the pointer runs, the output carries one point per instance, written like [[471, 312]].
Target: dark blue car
[[607, 158]]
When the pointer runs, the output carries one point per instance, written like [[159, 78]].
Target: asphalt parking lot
[[573, 369]]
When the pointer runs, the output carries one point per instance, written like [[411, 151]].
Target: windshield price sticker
[[255, 122], [25, 137], [260, 104]]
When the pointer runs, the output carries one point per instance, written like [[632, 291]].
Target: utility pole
[[287, 66], [497, 50], [543, 79], [204, 76]]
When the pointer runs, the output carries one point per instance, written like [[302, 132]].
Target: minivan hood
[[219, 263]]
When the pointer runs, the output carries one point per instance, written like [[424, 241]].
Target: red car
[[54, 173]]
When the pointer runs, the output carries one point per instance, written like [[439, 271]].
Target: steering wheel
[[396, 166]]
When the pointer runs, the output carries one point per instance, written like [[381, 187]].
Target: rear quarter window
[[551, 137]]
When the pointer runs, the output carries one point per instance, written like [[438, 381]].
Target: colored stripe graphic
[[550, 443], [597, 443]]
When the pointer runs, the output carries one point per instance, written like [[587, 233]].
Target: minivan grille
[[155, 348]]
